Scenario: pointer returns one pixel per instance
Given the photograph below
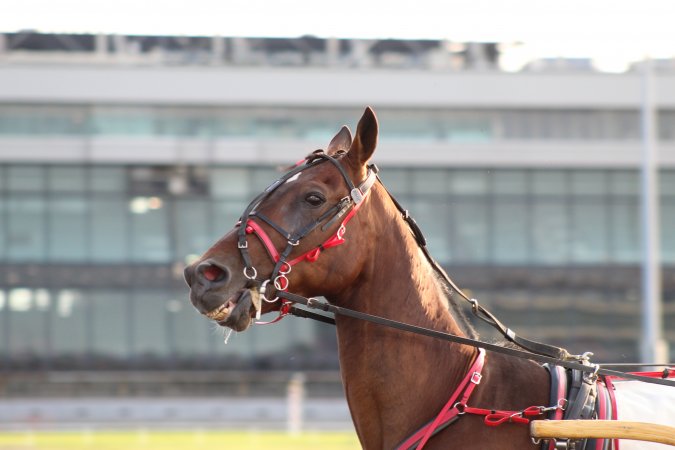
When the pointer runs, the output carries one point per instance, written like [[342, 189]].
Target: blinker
[[343, 206]]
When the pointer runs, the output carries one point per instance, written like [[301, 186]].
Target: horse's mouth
[[236, 312]]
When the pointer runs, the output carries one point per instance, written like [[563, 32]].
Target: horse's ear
[[340, 142], [365, 140]]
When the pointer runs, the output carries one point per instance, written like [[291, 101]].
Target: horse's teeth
[[220, 312]]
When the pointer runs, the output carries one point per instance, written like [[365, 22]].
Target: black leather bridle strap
[[478, 310], [338, 310]]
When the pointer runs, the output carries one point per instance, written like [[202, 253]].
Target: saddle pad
[[642, 402]]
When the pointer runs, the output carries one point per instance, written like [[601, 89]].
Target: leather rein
[[348, 206]]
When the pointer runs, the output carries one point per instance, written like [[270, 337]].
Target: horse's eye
[[315, 199]]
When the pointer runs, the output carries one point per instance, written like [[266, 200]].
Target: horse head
[[279, 241]]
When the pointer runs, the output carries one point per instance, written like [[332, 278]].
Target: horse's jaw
[[236, 312]]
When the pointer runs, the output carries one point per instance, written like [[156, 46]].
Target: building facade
[[123, 157]]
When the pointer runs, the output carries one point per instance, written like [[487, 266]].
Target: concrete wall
[[293, 87]]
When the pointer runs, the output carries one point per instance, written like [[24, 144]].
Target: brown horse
[[395, 382]]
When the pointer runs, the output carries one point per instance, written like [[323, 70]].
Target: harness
[[577, 391]]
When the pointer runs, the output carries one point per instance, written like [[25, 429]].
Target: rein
[[534, 351], [584, 366]]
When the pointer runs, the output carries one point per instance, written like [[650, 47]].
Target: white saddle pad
[[643, 402]]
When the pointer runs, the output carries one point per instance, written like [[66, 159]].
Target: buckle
[[357, 196], [476, 377]]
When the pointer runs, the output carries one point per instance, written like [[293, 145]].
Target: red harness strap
[[455, 407], [493, 418], [450, 410]]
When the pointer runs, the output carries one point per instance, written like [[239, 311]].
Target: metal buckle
[[263, 291], [254, 274], [357, 196], [476, 377], [281, 282], [244, 245], [341, 231]]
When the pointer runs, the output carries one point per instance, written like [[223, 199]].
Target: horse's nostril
[[213, 273]]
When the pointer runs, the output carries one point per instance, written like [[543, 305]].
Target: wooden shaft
[[597, 429]]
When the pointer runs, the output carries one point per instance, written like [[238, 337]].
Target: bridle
[[347, 206]]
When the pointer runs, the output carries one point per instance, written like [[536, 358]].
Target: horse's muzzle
[[209, 282]]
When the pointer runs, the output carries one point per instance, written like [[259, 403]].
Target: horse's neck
[[395, 380], [391, 371]]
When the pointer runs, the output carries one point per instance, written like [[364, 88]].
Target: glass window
[[668, 231], [108, 179], [25, 178], [549, 182], [550, 239], [67, 229], [126, 121], [625, 231], [3, 227], [397, 181], [667, 182], [66, 179], [476, 129], [589, 232], [193, 228], [150, 231], [666, 125], [624, 182], [511, 232], [189, 331], [149, 324], [588, 182], [231, 182], [4, 330], [109, 240], [27, 323], [111, 322], [226, 214], [30, 120], [26, 229], [69, 324], [469, 181], [270, 341], [430, 181], [471, 237], [509, 182]]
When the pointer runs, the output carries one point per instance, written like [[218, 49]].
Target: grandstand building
[[122, 157]]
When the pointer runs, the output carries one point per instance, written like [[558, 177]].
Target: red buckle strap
[[283, 312], [454, 408], [449, 411], [495, 418]]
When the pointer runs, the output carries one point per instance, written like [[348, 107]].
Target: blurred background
[[126, 151]]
